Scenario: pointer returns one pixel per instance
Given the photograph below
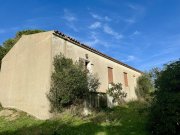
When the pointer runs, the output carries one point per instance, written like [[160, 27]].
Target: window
[[125, 79], [110, 75], [84, 63]]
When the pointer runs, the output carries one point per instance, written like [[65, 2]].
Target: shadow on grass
[[89, 128], [129, 120], [58, 128]]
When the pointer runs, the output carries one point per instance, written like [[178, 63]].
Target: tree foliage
[[165, 110], [93, 82], [144, 86], [70, 83], [116, 92], [2, 52]]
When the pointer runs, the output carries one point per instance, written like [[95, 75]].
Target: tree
[[2, 54], [144, 86], [165, 109], [70, 83], [116, 92]]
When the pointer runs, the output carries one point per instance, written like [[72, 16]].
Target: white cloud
[[70, 19], [100, 18], [136, 7], [107, 18], [72, 26], [130, 20], [133, 6], [129, 58], [95, 25], [138, 11], [95, 16], [110, 31], [68, 16], [134, 34], [94, 41]]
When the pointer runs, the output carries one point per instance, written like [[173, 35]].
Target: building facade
[[25, 75]]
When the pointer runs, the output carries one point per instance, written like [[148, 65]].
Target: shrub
[[93, 82], [144, 86], [116, 92], [70, 83], [165, 109]]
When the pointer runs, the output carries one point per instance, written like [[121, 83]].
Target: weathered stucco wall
[[99, 67], [25, 75]]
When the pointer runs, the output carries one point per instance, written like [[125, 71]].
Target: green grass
[[130, 119]]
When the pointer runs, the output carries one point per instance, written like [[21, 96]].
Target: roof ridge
[[70, 39]]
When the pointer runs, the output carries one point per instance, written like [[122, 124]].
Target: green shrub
[[70, 83], [116, 92], [165, 109], [144, 86]]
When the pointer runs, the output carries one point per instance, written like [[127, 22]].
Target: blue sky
[[141, 33]]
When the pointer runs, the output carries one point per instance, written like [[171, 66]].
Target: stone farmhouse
[[25, 75]]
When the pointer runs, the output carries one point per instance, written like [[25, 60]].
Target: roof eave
[[74, 41]]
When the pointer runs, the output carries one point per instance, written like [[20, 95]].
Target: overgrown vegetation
[[70, 83], [144, 86], [165, 109], [116, 93], [122, 120]]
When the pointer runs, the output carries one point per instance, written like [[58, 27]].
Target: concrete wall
[[99, 67], [25, 75]]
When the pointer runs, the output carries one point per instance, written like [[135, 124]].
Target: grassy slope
[[125, 120]]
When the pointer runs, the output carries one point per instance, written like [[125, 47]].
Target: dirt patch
[[6, 112], [9, 115], [12, 117]]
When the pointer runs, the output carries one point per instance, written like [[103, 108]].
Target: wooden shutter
[[125, 79], [110, 75]]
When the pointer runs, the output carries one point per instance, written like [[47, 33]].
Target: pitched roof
[[74, 41]]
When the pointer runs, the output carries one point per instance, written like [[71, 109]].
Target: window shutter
[[110, 75], [125, 79]]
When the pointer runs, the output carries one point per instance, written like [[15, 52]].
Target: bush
[[165, 109], [70, 83], [116, 92], [144, 86]]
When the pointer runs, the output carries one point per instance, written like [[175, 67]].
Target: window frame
[[110, 75], [126, 79]]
